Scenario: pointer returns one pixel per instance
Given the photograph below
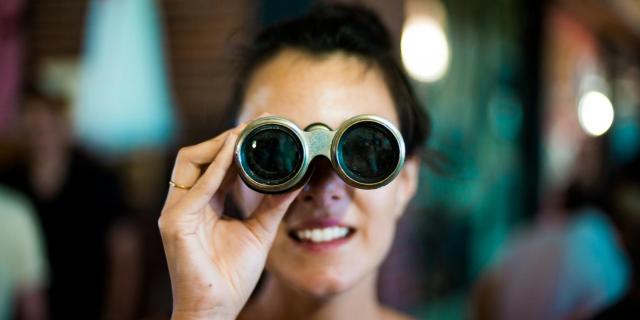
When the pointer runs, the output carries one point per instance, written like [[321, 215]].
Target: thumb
[[265, 219]]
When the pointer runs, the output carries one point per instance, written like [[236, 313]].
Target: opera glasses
[[273, 155]]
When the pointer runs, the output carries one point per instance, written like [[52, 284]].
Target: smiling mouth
[[324, 235]]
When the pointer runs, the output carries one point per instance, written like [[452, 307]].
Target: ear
[[407, 182]]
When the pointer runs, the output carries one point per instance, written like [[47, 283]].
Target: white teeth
[[322, 235]]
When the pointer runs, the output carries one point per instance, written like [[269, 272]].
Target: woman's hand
[[214, 262]]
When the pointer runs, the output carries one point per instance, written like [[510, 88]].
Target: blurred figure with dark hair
[[78, 205]]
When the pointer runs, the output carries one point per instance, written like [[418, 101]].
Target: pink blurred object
[[10, 59]]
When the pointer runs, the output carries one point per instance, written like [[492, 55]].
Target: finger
[[190, 160], [263, 114], [207, 186], [265, 219], [188, 165]]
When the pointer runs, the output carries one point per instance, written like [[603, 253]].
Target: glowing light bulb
[[595, 113], [424, 49]]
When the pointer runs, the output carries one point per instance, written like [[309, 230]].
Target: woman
[[328, 66]]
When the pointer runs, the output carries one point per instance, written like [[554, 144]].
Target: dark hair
[[343, 28]]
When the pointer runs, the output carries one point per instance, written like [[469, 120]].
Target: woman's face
[[330, 90]]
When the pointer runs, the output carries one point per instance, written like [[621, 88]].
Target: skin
[[215, 262]]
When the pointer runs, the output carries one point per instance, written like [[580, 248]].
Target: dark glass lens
[[368, 152], [271, 154]]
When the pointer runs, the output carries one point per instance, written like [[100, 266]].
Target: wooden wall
[[200, 37]]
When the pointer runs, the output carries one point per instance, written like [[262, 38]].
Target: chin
[[320, 281], [325, 285]]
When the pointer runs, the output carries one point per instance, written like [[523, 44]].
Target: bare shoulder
[[390, 314]]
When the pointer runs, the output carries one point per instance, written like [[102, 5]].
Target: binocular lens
[[368, 152], [272, 154]]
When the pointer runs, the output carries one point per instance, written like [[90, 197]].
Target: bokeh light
[[595, 113], [424, 49]]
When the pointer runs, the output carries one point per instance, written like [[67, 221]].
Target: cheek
[[380, 204], [380, 214]]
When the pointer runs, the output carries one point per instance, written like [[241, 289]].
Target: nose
[[325, 189]]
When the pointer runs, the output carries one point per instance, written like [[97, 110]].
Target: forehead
[[307, 89]]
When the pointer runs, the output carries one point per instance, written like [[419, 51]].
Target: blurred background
[[529, 209]]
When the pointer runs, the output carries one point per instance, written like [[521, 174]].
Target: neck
[[278, 301]]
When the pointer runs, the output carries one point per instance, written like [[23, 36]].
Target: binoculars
[[274, 155]]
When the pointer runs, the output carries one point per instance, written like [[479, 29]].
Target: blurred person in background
[[570, 265], [23, 267], [332, 64], [79, 207]]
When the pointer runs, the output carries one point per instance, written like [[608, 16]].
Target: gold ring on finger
[[179, 186]]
